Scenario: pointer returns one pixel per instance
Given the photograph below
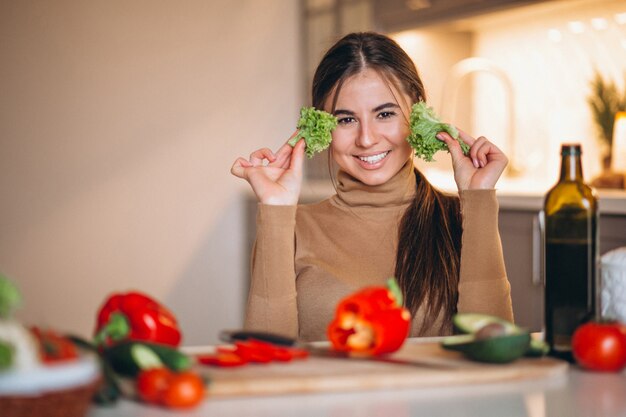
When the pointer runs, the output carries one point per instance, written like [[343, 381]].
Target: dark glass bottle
[[571, 253]]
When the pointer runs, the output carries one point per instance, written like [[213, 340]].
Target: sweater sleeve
[[483, 285], [272, 295]]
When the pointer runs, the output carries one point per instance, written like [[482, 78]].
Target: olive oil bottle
[[570, 253]]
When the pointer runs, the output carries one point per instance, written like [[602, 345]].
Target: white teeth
[[373, 158]]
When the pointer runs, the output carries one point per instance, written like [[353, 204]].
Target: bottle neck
[[571, 168]]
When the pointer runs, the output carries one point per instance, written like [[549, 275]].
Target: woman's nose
[[366, 136]]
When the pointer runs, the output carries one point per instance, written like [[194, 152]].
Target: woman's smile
[[373, 161]]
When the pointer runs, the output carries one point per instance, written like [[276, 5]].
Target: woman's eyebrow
[[344, 112], [374, 110], [385, 106]]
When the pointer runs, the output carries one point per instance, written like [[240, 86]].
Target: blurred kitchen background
[[119, 121]]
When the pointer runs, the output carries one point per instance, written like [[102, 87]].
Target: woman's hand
[[276, 178], [481, 167]]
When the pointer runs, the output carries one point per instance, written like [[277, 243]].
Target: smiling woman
[[385, 219]]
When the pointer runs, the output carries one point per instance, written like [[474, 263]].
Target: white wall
[[119, 121]]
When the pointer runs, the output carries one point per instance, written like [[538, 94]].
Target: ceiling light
[[576, 27], [555, 35], [599, 23]]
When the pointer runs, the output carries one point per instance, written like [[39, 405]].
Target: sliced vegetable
[[424, 128], [498, 349], [370, 321], [489, 338], [130, 358], [473, 322], [315, 126], [226, 359], [135, 316], [251, 351]]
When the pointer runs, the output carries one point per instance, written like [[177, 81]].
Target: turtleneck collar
[[399, 190]]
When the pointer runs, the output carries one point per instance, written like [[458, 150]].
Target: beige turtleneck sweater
[[308, 257]]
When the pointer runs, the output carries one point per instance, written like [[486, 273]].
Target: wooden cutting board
[[319, 374]]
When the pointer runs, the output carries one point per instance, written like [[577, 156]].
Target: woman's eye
[[345, 120], [386, 114]]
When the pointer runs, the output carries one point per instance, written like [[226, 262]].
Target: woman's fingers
[[297, 158], [453, 145], [466, 137], [478, 156], [239, 167], [257, 157]]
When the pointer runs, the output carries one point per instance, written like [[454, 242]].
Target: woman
[[385, 220]]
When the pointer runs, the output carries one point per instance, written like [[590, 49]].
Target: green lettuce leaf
[[315, 127], [424, 127]]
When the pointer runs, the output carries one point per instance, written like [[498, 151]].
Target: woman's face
[[369, 142]]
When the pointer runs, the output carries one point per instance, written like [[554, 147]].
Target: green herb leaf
[[315, 127], [10, 297], [424, 127]]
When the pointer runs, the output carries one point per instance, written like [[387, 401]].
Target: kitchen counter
[[570, 394], [577, 394]]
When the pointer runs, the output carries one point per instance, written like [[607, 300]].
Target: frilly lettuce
[[424, 127], [315, 127]]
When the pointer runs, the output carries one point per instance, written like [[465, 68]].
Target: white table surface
[[574, 394]]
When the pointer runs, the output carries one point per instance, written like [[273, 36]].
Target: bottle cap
[[570, 149]]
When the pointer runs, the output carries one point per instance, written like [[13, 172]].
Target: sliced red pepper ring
[[254, 353], [222, 358], [251, 351]]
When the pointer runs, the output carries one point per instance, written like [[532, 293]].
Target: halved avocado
[[499, 349], [472, 322]]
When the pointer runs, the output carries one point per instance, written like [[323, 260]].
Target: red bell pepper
[[135, 316], [371, 321]]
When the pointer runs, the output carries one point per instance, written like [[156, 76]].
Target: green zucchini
[[131, 357]]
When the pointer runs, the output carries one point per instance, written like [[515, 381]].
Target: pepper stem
[[396, 292], [117, 328]]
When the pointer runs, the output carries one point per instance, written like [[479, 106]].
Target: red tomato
[[600, 346], [152, 383], [186, 389]]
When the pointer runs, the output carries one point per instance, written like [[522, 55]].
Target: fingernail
[[475, 162], [439, 136]]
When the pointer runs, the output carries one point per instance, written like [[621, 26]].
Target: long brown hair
[[429, 248]]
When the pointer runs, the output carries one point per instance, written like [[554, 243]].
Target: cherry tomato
[[186, 389], [600, 346], [152, 383]]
